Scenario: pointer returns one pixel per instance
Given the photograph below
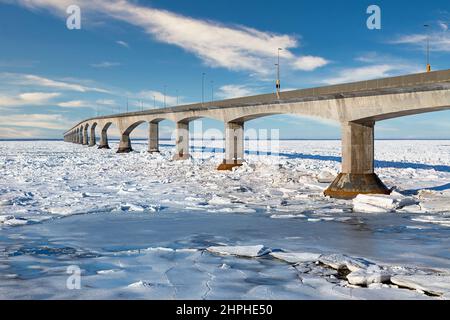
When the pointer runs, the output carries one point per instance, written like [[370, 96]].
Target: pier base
[[349, 185]]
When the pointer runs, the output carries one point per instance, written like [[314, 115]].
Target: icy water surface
[[141, 226]]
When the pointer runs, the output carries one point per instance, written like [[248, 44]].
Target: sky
[[128, 53]]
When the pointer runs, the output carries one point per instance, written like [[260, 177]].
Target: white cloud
[[123, 43], [14, 133], [237, 48], [443, 25], [106, 102], [368, 73], [234, 91], [44, 121], [38, 81], [309, 63], [105, 64], [74, 104], [439, 41], [29, 98], [150, 95]]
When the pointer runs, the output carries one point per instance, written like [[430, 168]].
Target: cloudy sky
[[52, 77]]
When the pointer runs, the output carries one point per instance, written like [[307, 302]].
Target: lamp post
[[203, 88], [154, 102], [428, 47], [212, 91], [165, 88], [177, 97], [278, 83]]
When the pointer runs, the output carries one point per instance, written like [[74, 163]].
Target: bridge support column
[[125, 144], [93, 139], [234, 146], [85, 137], [182, 141], [104, 140], [153, 138], [358, 176]]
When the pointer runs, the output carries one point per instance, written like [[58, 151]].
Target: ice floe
[[432, 284], [381, 203], [242, 251]]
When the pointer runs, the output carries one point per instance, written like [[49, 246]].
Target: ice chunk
[[341, 261], [381, 203], [432, 284], [131, 207], [140, 285], [217, 200], [365, 277], [326, 176], [242, 251], [296, 257], [15, 222], [3, 219]]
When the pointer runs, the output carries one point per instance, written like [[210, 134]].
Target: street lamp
[[278, 83], [428, 47], [203, 88], [165, 87], [154, 102], [177, 97], [212, 91]]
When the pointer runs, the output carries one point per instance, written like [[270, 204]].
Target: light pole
[[212, 91], [177, 97], [165, 87], [278, 83], [154, 102], [127, 104], [203, 88], [428, 47]]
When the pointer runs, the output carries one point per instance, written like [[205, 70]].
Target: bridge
[[356, 106]]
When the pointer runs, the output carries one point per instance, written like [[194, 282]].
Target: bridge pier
[[125, 144], [104, 140], [234, 146], [85, 137], [93, 139], [153, 138], [80, 137], [358, 175], [182, 141]]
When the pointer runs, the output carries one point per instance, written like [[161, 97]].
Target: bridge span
[[356, 106]]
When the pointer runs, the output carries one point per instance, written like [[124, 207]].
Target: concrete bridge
[[356, 106]]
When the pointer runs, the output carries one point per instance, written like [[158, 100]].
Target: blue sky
[[52, 77]]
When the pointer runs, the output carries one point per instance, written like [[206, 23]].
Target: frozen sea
[[140, 226]]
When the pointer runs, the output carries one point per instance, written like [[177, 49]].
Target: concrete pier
[[358, 176], [125, 144], [153, 137], [182, 141], [104, 138], [234, 146], [85, 136], [93, 139]]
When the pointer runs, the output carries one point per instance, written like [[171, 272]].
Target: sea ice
[[296, 257], [432, 284], [242, 251]]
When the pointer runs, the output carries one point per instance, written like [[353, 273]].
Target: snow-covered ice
[[143, 226]]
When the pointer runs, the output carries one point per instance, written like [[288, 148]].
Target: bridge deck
[[415, 82]]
